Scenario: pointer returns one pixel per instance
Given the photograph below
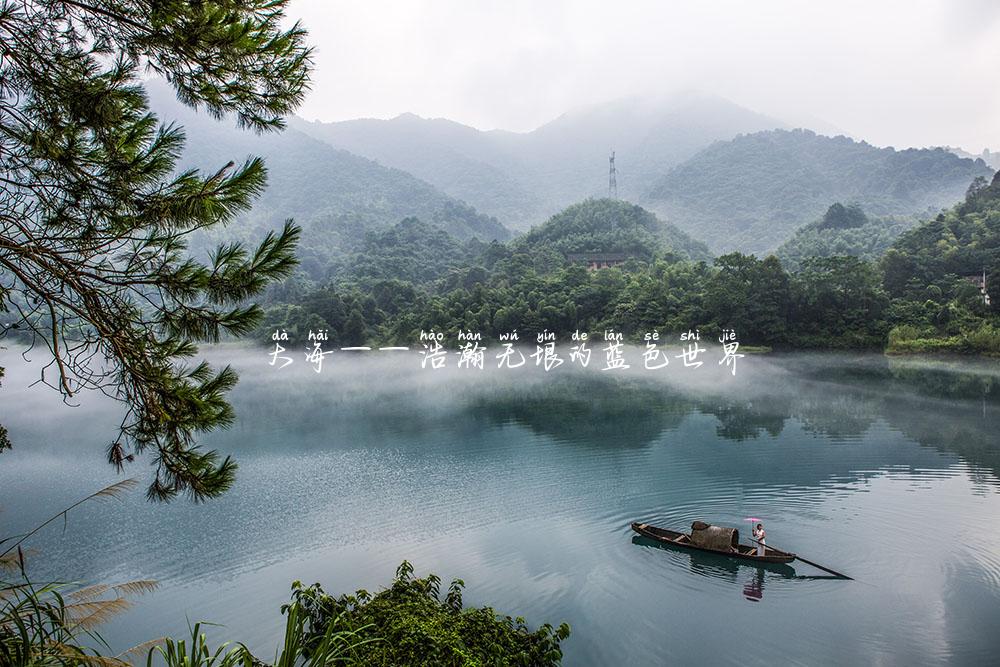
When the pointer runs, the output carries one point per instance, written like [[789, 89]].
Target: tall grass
[[55, 624], [337, 647]]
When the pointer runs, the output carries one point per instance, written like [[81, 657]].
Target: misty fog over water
[[523, 483]]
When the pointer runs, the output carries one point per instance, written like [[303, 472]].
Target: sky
[[895, 73]]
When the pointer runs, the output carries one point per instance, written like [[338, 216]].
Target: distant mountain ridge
[[992, 158], [524, 178], [714, 170], [463, 162], [750, 193], [333, 194]]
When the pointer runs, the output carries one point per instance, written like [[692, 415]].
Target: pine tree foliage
[[95, 217]]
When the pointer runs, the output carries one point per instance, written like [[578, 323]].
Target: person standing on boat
[[759, 534]]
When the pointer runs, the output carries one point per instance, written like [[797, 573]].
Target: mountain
[[992, 158], [610, 226], [523, 178], [648, 135], [411, 251], [842, 231], [335, 195], [465, 163], [750, 193], [935, 259]]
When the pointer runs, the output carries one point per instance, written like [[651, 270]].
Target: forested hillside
[[610, 225], [385, 254], [398, 278], [334, 195], [411, 250], [918, 296], [751, 193], [931, 272], [961, 242], [992, 158], [476, 167], [844, 231]]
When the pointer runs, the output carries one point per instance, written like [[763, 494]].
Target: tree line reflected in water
[[949, 407], [944, 405]]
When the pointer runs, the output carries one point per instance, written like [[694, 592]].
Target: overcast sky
[[900, 73]]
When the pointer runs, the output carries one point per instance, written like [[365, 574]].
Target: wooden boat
[[683, 540], [709, 563]]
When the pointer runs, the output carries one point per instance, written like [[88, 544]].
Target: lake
[[524, 483]]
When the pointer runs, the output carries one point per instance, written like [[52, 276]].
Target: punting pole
[[809, 562]]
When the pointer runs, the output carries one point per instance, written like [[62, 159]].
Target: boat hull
[[683, 541]]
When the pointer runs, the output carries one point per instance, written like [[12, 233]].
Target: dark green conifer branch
[[94, 218]]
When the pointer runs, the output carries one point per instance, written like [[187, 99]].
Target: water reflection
[[524, 484], [905, 394], [747, 420], [719, 567], [587, 410], [753, 590]]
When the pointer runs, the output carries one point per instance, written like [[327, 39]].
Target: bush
[[417, 628], [904, 333], [908, 339], [984, 339]]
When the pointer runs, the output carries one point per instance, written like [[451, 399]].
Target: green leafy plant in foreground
[[335, 647], [406, 624], [417, 627]]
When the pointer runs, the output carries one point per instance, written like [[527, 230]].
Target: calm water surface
[[524, 483]]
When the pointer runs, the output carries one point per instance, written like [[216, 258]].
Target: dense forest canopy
[[752, 192], [412, 262], [942, 253], [610, 225], [846, 231], [829, 298]]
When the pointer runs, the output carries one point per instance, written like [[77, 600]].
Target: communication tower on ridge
[[612, 178]]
